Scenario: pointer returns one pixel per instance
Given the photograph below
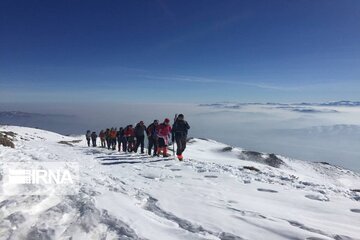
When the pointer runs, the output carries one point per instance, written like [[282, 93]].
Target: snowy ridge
[[218, 192], [19, 114]]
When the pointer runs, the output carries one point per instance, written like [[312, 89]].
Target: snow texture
[[217, 192]]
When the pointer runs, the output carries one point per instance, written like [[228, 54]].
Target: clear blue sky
[[190, 51]]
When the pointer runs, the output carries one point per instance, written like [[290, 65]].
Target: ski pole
[[173, 136]]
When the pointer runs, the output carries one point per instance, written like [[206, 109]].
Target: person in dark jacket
[[88, 137], [121, 139], [152, 137], [180, 130], [93, 138], [140, 130]]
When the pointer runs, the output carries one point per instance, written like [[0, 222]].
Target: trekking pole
[[173, 136], [173, 146]]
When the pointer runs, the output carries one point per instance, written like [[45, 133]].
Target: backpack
[[181, 126], [151, 130]]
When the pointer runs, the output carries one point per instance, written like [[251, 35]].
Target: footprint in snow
[[315, 238], [16, 218], [355, 210], [266, 190], [175, 169], [211, 176], [148, 177], [321, 198], [356, 198], [197, 178]]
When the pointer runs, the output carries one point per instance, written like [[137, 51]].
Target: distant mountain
[[306, 109], [330, 104], [19, 114], [234, 105], [61, 123], [341, 103], [224, 105]]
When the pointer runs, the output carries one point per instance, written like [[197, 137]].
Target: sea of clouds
[[314, 132]]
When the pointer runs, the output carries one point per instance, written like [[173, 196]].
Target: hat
[[167, 120]]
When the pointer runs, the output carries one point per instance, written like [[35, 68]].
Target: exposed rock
[[69, 143], [274, 161], [227, 149], [268, 159], [8, 134], [5, 141], [251, 168], [252, 154]]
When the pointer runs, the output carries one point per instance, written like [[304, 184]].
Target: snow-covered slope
[[218, 192]]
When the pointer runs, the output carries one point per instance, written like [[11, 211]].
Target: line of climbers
[[130, 138]]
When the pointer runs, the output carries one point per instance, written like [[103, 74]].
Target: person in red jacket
[[163, 132], [130, 137], [113, 133], [102, 138]]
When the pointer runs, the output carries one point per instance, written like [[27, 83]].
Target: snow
[[210, 195]]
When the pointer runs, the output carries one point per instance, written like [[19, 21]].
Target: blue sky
[[179, 51]]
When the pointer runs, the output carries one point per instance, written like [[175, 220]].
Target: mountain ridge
[[218, 192]]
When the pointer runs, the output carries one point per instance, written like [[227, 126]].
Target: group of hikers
[[130, 138]]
